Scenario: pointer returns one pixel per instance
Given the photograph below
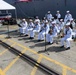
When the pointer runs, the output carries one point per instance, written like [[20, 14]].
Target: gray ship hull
[[40, 7]]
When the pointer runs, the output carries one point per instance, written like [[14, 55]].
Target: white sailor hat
[[37, 17], [36, 20], [46, 21], [54, 22], [71, 19], [52, 17], [30, 20], [67, 24], [58, 11], [48, 11], [61, 19], [67, 11], [23, 19]]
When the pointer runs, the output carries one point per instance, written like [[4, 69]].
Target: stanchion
[[8, 34], [45, 43], [46, 51]]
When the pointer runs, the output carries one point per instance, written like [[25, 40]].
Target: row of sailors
[[51, 30], [67, 17]]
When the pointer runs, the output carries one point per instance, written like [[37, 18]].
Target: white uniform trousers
[[28, 30], [22, 30], [32, 33], [41, 35], [49, 38], [67, 41]]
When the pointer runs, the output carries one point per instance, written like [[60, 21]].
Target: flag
[[22, 1]]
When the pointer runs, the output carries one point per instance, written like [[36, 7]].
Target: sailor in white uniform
[[42, 24], [37, 28], [60, 25], [37, 19], [52, 33], [68, 16], [58, 15], [73, 24], [23, 26], [49, 16], [43, 32], [67, 36], [30, 27]]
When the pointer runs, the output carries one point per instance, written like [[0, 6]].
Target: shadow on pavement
[[53, 49]]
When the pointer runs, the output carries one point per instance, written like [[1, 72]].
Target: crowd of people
[[50, 27]]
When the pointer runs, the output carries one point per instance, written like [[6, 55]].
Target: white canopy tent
[[6, 6]]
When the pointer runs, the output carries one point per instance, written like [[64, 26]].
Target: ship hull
[[40, 7]]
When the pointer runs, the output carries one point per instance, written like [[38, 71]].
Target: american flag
[[23, 0]]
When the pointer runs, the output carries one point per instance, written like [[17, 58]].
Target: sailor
[[67, 36], [58, 15], [30, 27], [50, 23], [61, 25], [36, 28], [42, 24], [23, 26], [48, 16], [37, 19], [73, 26], [43, 32], [72, 23], [68, 16], [54, 20], [52, 33], [19, 22]]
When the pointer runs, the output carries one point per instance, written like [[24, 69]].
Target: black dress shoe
[[51, 43], [29, 37], [62, 47], [38, 41], [68, 48], [32, 37], [41, 40], [48, 42], [26, 35]]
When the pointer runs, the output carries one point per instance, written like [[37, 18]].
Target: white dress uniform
[[60, 26], [67, 37], [36, 29], [23, 28], [29, 28], [50, 24], [73, 27], [72, 23], [49, 17], [58, 15], [43, 32], [49, 37], [68, 16], [37, 20]]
